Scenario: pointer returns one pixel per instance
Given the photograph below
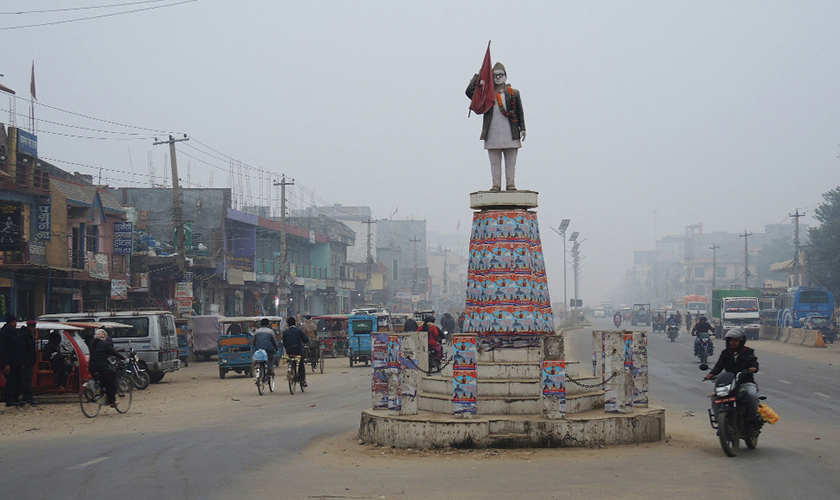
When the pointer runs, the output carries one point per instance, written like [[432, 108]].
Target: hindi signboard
[[44, 218], [123, 238]]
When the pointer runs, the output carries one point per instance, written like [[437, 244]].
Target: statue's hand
[[522, 135]]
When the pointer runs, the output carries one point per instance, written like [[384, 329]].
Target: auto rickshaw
[[332, 333], [72, 345], [359, 328], [235, 347]]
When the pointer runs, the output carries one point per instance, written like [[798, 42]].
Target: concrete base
[[503, 200], [435, 430]]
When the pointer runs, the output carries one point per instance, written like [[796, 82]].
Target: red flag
[[32, 82], [484, 97]]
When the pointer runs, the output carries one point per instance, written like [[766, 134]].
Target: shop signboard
[[11, 229], [123, 238], [44, 218]]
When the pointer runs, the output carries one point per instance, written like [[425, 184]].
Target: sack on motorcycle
[[767, 414]]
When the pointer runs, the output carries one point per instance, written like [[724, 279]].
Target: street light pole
[[564, 224]]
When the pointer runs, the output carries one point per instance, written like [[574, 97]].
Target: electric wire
[[112, 14], [68, 9]]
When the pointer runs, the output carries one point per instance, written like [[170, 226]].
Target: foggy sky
[[721, 113]]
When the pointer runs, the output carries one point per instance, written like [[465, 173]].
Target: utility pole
[[415, 240], [445, 267], [714, 248], [369, 259], [283, 257], [177, 207], [746, 235], [797, 280]]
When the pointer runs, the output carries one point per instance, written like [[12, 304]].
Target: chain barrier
[[444, 362], [589, 386]]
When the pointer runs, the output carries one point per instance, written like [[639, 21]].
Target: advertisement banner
[[11, 228], [119, 290]]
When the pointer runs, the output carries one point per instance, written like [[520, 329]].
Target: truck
[[641, 315], [696, 305], [736, 309]]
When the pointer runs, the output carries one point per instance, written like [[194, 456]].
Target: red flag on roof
[[32, 82], [484, 97]]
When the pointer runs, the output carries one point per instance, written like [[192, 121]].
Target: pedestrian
[[410, 325], [10, 360], [27, 346], [461, 319]]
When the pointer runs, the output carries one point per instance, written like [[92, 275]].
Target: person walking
[[10, 360]]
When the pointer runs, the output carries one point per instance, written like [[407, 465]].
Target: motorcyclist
[[266, 339], [735, 359], [702, 327]]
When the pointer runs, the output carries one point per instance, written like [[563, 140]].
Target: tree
[[823, 253]]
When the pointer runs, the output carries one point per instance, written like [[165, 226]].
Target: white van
[[152, 335]]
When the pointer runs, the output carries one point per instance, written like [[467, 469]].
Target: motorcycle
[[729, 414], [132, 367], [705, 348], [673, 331]]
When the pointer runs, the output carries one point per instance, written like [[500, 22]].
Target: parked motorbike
[[705, 348], [729, 414], [673, 332], [132, 367]]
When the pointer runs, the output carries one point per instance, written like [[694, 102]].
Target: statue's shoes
[[495, 189]]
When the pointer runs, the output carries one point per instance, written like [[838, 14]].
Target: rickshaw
[[72, 345], [658, 322], [332, 333], [359, 328], [398, 321], [235, 350], [183, 327], [205, 336]]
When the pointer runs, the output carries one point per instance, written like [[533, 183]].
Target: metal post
[[564, 224]]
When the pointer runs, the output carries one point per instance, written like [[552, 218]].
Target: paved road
[[800, 456], [166, 457], [283, 446]]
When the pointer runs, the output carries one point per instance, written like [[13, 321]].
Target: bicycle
[[292, 363], [92, 395], [264, 376]]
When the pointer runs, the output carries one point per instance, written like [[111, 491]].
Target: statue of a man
[[503, 128]]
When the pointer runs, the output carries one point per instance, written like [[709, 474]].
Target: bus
[[800, 302]]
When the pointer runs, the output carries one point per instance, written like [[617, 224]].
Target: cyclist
[[293, 341], [266, 339], [101, 349]]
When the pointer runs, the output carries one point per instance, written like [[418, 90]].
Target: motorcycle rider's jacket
[[737, 362], [702, 327]]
